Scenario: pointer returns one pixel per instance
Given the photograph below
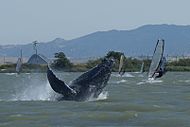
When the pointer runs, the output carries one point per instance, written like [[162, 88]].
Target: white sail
[[163, 64], [156, 58], [142, 67], [121, 63], [18, 65]]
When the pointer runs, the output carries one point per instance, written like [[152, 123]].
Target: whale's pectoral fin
[[58, 85]]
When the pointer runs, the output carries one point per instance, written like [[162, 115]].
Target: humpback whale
[[89, 84]]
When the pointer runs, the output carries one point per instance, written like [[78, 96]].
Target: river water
[[27, 100]]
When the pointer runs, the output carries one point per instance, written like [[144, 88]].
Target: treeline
[[130, 64], [62, 63], [26, 68], [180, 65]]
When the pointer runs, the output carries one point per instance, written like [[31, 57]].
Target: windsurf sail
[[19, 64], [163, 65], [142, 68], [121, 67], [156, 58]]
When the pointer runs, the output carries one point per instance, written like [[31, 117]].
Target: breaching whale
[[89, 84]]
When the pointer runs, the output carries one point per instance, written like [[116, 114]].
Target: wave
[[150, 82], [185, 81], [125, 75], [10, 73], [121, 81]]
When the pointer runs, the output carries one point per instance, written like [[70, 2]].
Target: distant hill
[[140, 41]]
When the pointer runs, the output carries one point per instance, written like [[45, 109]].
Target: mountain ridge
[[135, 42]]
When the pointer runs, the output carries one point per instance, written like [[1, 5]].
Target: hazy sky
[[23, 21]]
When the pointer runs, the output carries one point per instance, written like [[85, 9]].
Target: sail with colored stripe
[[121, 65]]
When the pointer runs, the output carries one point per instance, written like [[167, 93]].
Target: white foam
[[141, 83], [125, 75], [154, 81], [16, 115], [149, 81], [121, 81], [35, 92], [156, 106], [102, 96], [128, 75], [10, 73], [186, 81]]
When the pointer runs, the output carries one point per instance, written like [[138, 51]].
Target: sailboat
[[121, 69], [19, 64], [157, 65], [142, 68]]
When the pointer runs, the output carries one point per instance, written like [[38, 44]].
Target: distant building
[[38, 59]]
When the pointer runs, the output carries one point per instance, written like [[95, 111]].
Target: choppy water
[[27, 100]]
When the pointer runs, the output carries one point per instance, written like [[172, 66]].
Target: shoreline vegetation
[[63, 64]]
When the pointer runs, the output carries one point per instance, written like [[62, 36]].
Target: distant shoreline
[[43, 69]]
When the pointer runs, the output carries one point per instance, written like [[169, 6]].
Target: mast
[[35, 48], [21, 55], [4, 59]]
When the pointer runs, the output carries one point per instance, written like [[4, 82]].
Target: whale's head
[[92, 82]]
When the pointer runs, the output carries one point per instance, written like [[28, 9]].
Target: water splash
[[103, 96], [32, 87], [35, 92]]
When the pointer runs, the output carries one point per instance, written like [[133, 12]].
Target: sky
[[23, 21]]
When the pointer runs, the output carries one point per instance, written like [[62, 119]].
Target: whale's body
[[89, 84]]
